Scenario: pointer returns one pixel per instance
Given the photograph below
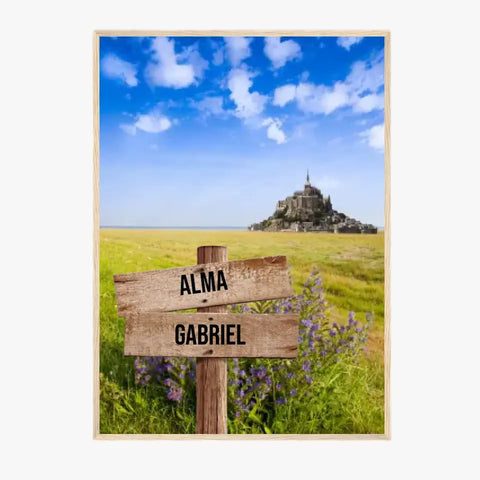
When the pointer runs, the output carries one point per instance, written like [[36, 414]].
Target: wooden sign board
[[203, 285], [212, 335]]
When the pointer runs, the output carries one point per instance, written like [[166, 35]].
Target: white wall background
[[46, 245]]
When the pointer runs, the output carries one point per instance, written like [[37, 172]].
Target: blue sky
[[202, 131]]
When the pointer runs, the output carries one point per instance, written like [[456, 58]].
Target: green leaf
[[253, 416], [120, 409], [128, 405], [179, 414]]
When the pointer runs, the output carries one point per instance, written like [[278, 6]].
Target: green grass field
[[352, 269]]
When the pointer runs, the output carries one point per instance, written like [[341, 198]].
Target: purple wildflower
[[174, 394], [307, 323]]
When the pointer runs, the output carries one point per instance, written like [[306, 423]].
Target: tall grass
[[346, 397]]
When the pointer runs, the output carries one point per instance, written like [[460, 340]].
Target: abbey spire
[[307, 183]]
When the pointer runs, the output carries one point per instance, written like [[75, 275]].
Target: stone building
[[305, 202], [308, 210]]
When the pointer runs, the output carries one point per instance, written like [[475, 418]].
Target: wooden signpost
[[211, 334]]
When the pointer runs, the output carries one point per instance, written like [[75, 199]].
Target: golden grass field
[[352, 265], [346, 398]]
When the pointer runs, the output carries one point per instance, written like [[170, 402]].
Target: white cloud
[[274, 131], [321, 99], [369, 102], [165, 69], [116, 68], [334, 98], [192, 56], [361, 91], [249, 104], [218, 57], [304, 76], [365, 76], [130, 129], [280, 52], [375, 137], [283, 95], [210, 105], [348, 42], [218, 53], [238, 49], [153, 122]]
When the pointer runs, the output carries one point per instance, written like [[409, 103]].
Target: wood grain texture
[[265, 336], [96, 236], [345, 437], [387, 238], [242, 33], [212, 372], [160, 290], [211, 396]]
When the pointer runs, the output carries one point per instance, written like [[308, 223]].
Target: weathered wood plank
[[234, 282], [212, 372], [265, 335]]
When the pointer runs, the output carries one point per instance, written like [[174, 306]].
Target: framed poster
[[275, 146]]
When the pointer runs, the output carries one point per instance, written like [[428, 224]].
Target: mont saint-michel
[[308, 210]]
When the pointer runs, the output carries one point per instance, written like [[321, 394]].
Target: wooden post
[[212, 372]]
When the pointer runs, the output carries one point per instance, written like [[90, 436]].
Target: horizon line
[[173, 226], [186, 226]]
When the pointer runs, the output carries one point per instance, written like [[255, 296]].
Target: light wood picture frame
[[96, 224]]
